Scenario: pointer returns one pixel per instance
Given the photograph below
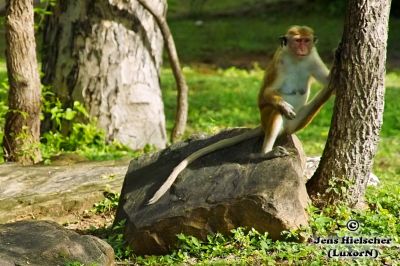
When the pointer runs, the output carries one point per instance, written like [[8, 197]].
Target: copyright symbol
[[352, 225]]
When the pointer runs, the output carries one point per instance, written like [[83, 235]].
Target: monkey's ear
[[283, 40], [315, 39]]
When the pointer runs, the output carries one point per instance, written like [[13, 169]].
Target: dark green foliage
[[335, 7]]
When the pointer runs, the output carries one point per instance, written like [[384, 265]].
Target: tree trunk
[[108, 54], [22, 127], [358, 77]]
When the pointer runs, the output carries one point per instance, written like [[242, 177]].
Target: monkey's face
[[300, 46]]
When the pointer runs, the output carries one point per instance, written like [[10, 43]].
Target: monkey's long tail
[[197, 154]]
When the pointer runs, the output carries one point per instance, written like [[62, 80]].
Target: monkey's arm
[[319, 70], [269, 97], [307, 113]]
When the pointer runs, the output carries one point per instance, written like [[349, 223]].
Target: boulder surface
[[44, 243], [216, 193]]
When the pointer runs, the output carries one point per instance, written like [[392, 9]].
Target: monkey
[[282, 100]]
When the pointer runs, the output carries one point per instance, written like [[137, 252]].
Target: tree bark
[[21, 142], [108, 54], [358, 77]]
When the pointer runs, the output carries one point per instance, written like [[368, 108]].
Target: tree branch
[[182, 100]]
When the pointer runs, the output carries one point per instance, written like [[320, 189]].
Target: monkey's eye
[[303, 40]]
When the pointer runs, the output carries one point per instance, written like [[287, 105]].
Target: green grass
[[217, 98], [226, 40]]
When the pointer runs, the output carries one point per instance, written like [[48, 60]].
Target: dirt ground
[[89, 220]]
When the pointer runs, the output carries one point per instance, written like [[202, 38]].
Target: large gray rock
[[44, 243], [57, 192], [216, 193]]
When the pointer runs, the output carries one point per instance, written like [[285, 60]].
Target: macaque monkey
[[282, 99]]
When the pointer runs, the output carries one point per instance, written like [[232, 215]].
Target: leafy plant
[[3, 109], [110, 203], [116, 240], [42, 11], [249, 247], [84, 137]]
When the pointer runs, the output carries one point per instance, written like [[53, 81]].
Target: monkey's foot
[[276, 152]]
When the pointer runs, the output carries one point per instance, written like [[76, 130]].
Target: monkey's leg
[[272, 123], [271, 132]]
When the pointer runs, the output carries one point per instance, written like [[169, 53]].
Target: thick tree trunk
[[22, 127], [108, 54], [358, 77]]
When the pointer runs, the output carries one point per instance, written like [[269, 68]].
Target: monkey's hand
[[287, 110]]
